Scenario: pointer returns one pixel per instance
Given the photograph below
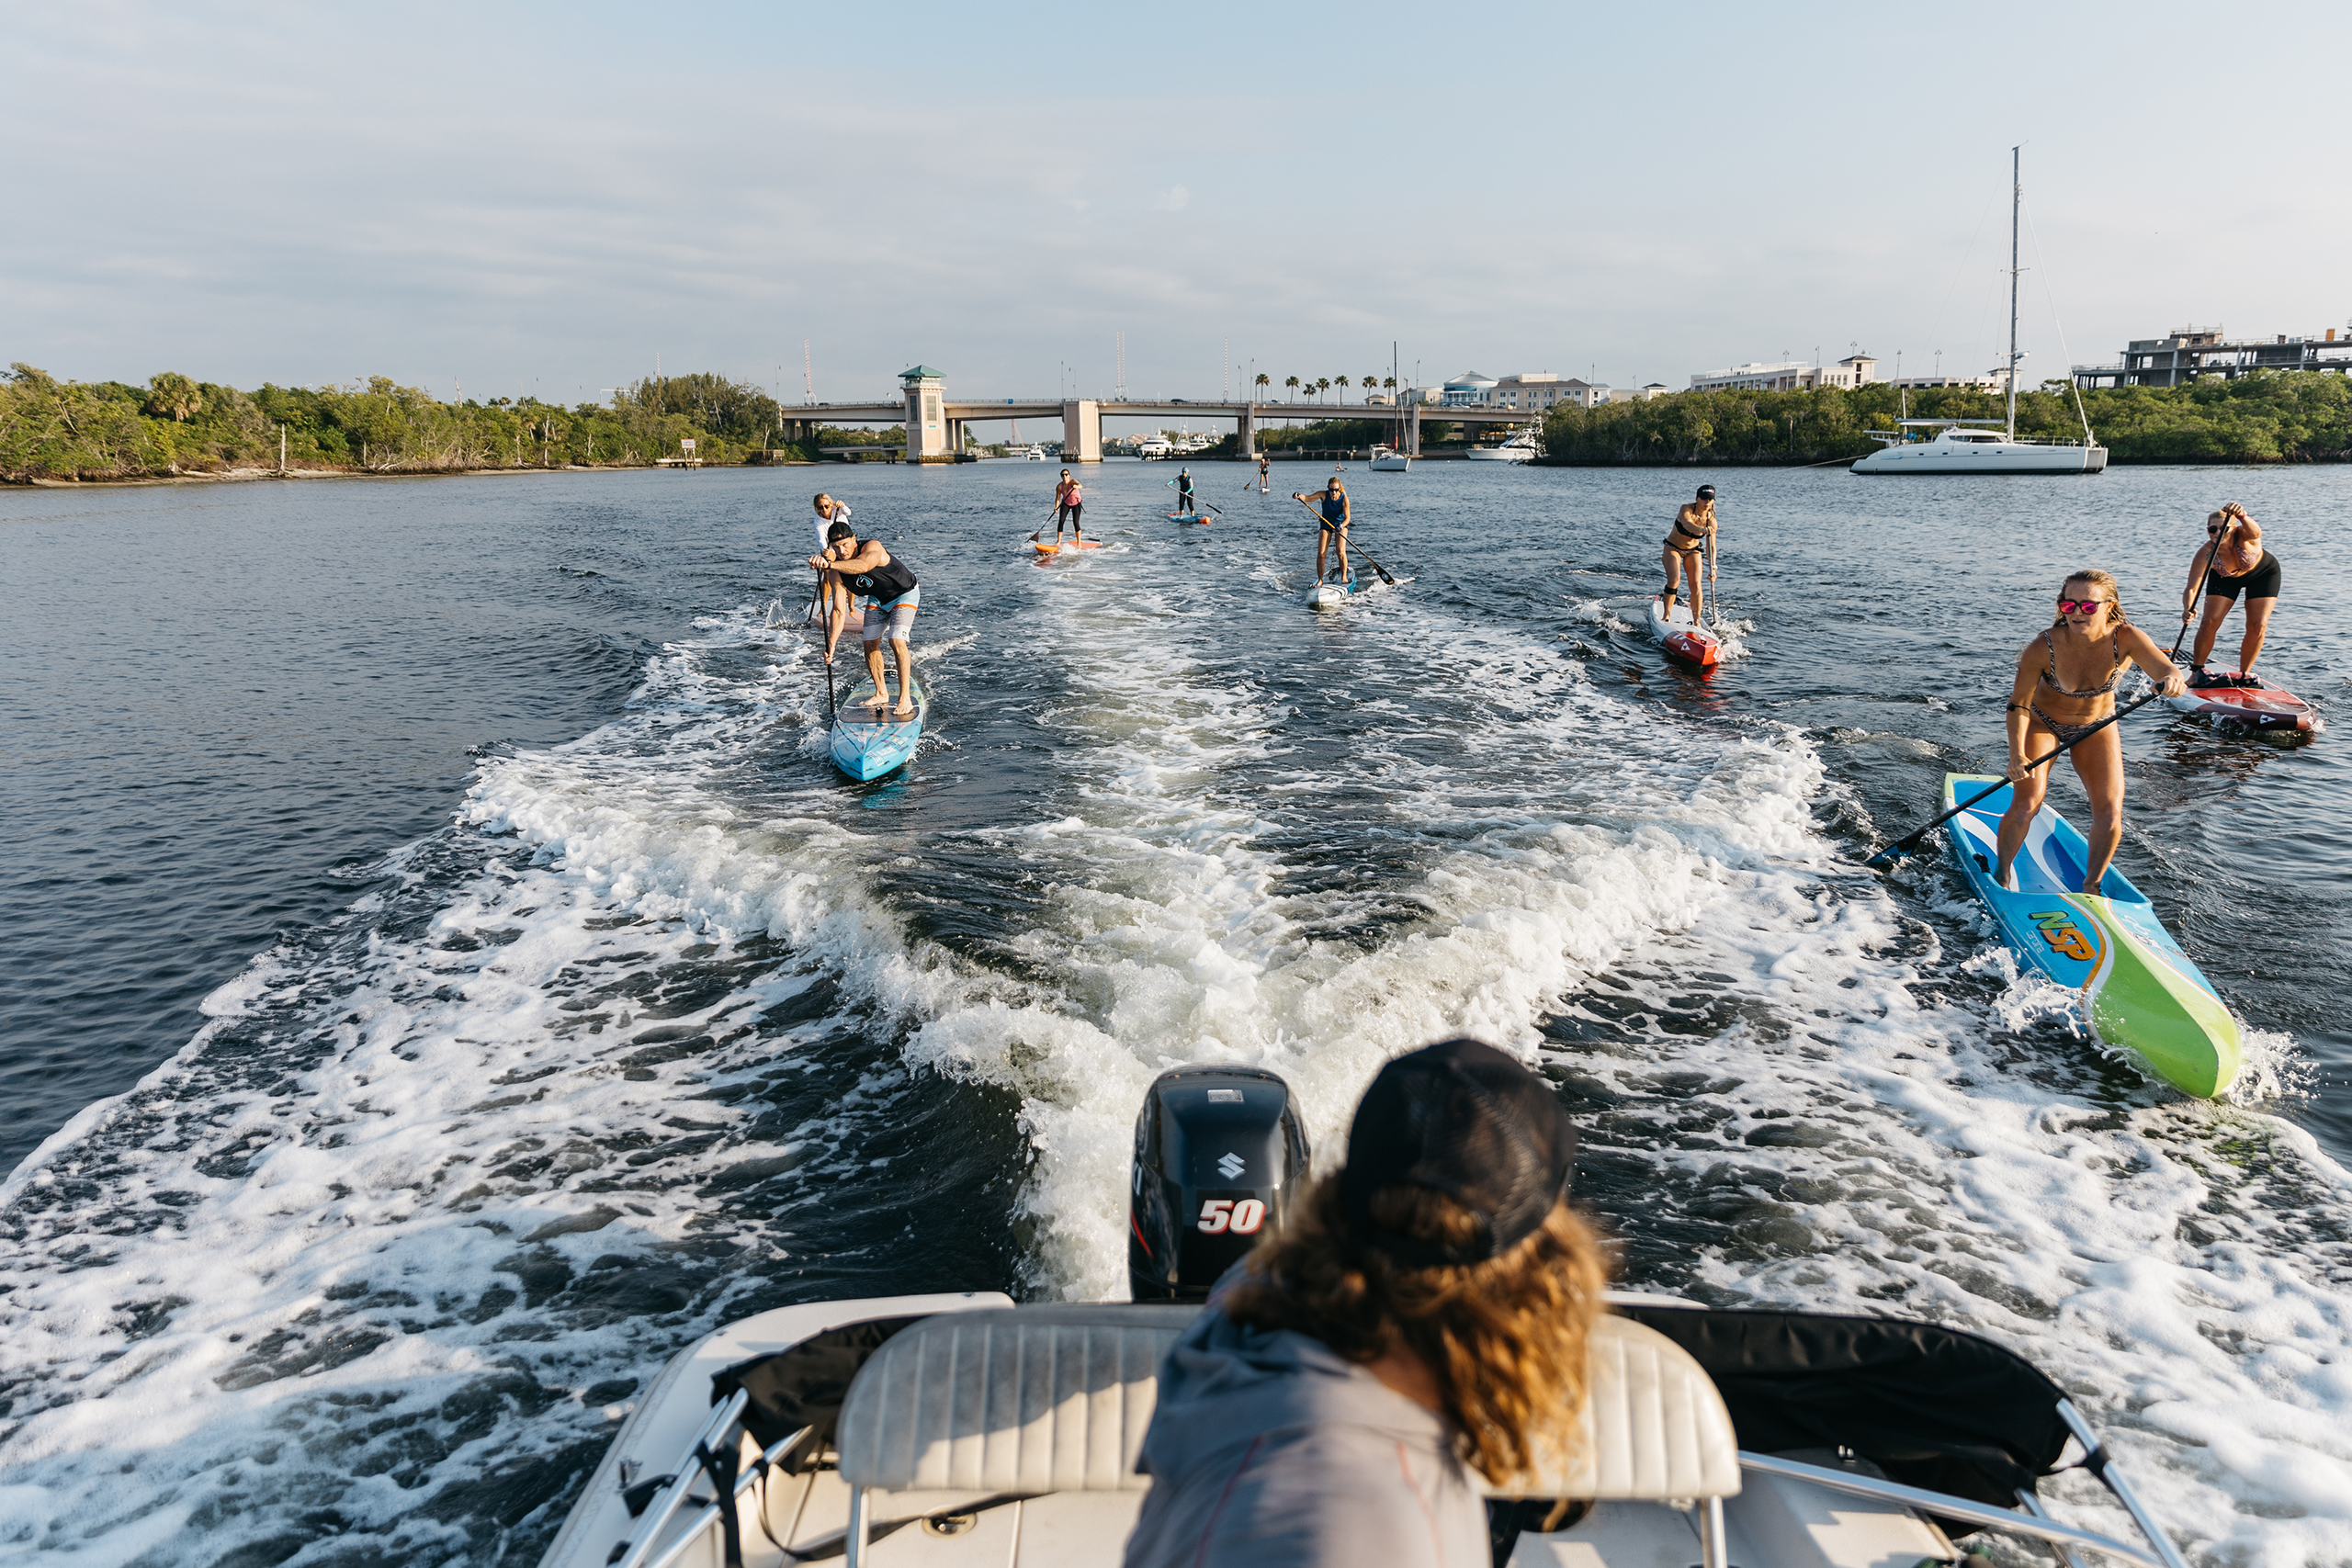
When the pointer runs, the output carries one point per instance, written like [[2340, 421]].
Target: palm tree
[[1389, 382], [1264, 379], [1292, 382], [1367, 383], [1322, 385], [174, 394]]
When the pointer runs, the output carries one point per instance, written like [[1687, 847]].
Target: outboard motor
[[1220, 1153]]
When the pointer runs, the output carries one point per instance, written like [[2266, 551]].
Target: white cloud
[[1173, 199]]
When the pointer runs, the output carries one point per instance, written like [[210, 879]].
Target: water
[[443, 975]]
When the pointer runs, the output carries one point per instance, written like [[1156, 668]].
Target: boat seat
[[1025, 1400], [1654, 1429], [1038, 1399]]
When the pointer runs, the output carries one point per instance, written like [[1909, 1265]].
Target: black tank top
[[890, 580]]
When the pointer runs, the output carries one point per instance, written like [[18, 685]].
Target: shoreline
[[257, 476]]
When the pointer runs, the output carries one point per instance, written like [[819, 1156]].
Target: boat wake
[[666, 1029]]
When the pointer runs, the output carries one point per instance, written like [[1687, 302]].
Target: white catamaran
[[1952, 447]]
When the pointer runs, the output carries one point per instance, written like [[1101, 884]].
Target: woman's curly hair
[[1504, 1337]]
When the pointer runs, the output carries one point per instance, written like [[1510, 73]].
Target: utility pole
[[281, 451]]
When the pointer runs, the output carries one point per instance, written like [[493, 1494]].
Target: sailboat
[[1958, 446]]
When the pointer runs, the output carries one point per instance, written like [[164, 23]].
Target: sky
[[553, 201]]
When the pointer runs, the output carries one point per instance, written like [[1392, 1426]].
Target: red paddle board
[[1691, 643], [2238, 697]]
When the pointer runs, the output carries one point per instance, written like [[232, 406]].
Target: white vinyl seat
[[1026, 1400], [1655, 1429]]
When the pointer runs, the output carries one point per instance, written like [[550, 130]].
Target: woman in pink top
[[1068, 501]]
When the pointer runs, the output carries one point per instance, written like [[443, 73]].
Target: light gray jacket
[[1267, 1450]]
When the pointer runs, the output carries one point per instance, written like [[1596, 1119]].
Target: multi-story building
[[2190, 353], [1994, 380], [1854, 370]]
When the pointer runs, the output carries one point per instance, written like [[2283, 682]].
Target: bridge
[[937, 424]]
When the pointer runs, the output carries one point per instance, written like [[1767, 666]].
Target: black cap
[[1463, 1119], [1706, 492]]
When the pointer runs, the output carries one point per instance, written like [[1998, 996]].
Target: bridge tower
[[928, 437]]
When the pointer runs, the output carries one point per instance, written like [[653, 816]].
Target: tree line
[[175, 424], [2266, 417]]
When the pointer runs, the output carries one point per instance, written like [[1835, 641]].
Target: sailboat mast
[[2016, 199]]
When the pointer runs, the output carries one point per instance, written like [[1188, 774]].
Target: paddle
[[2203, 583], [1376, 565], [1903, 844]]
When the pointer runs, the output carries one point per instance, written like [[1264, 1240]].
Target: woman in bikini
[[2234, 544], [2066, 684], [1686, 546]]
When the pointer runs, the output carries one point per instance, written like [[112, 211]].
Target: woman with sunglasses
[[2066, 684], [1687, 544], [2234, 545]]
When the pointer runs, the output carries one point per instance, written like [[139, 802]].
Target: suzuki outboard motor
[[1220, 1154]]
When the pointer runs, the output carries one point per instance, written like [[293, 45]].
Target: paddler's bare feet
[[904, 710], [2006, 877]]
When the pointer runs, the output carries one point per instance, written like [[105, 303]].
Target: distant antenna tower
[[1225, 374], [1119, 391], [807, 376]]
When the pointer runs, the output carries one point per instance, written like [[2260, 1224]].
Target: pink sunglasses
[[2081, 606]]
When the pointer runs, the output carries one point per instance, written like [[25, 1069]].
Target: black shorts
[[1069, 515], [2260, 581]]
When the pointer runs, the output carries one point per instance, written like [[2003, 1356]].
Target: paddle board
[[1331, 595], [869, 742], [2140, 989], [1200, 517], [1049, 551], [1690, 643], [2246, 700]]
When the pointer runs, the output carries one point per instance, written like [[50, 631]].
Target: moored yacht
[[1956, 447], [1522, 447], [1389, 460]]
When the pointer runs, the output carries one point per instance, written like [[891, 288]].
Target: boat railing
[[2034, 1523]]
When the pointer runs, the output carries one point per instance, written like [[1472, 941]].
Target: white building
[[1855, 370], [1994, 380], [1467, 391]]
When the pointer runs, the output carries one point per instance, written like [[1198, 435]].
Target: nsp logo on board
[[1231, 1165]]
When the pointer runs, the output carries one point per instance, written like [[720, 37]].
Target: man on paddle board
[[864, 570], [1690, 544], [2065, 683], [1184, 491], [2233, 546], [1069, 502], [1337, 513], [1265, 469]]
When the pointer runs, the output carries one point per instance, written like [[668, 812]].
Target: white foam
[[2180, 1268]]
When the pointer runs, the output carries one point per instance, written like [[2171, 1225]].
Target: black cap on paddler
[[1466, 1120], [1706, 492]]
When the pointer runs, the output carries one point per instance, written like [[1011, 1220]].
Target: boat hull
[[866, 748], [2140, 990], [1684, 640], [2001, 457]]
